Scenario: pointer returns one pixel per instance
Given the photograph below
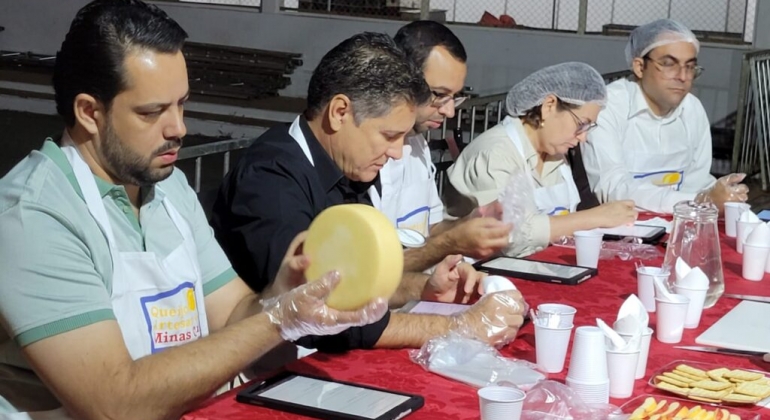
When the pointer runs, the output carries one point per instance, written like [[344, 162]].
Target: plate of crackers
[[712, 384], [656, 407]]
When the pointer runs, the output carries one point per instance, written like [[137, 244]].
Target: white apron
[[562, 198], [158, 302], [407, 206], [661, 169]]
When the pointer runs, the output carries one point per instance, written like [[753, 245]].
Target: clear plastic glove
[[303, 311], [727, 189], [453, 281], [495, 319]]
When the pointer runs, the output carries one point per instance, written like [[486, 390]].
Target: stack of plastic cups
[[587, 374]]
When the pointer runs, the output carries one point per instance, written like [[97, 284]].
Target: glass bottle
[[695, 238]]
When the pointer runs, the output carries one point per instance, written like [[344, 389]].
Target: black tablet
[[536, 270], [325, 398], [648, 234]]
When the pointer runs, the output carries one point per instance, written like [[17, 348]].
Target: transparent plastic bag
[[625, 249], [474, 363], [517, 200], [553, 400]]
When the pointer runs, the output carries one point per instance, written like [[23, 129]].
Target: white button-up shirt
[[409, 194], [655, 161]]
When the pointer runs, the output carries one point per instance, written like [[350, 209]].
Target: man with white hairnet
[[653, 143], [549, 112]]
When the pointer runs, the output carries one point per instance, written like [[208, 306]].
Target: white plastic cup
[[754, 261], [645, 279], [588, 363], [695, 308], [671, 316], [621, 367], [743, 229], [732, 213], [644, 352], [590, 393], [566, 312], [588, 246], [551, 347], [501, 403]]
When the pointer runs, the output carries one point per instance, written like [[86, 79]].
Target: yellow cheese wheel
[[362, 245]]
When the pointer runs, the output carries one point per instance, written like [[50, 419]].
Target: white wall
[[498, 58]]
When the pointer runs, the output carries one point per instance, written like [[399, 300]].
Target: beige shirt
[[483, 170]]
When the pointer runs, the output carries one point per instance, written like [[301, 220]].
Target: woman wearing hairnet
[[549, 112]]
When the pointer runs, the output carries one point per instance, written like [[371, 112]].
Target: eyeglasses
[[582, 126], [671, 69], [441, 99]]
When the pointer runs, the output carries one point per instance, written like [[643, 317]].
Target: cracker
[[740, 399], [690, 375], [743, 375], [753, 389], [711, 385], [672, 381], [716, 374], [691, 370], [673, 388], [678, 377], [705, 393], [708, 400]]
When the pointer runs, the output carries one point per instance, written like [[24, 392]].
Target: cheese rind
[[362, 245]]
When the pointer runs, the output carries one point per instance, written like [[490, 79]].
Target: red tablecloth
[[446, 400]]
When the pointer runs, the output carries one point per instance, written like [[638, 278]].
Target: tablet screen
[[636, 231], [534, 267], [333, 396]]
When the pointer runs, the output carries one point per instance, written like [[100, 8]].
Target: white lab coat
[[655, 161]]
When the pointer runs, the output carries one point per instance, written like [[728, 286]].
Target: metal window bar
[[218, 147], [751, 147]]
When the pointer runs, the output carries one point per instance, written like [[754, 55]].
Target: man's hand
[[727, 189], [615, 213], [493, 210], [494, 319], [292, 271], [453, 281], [479, 237]]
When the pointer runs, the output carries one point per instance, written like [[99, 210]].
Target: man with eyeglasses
[[653, 142], [408, 194]]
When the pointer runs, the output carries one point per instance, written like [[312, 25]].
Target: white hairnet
[[575, 83], [655, 34]]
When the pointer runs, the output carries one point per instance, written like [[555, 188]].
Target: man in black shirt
[[361, 103]]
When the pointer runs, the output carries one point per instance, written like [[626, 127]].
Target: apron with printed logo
[[661, 169], [559, 199], [407, 205], [157, 302]]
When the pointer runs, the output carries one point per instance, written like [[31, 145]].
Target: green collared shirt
[[55, 264]]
